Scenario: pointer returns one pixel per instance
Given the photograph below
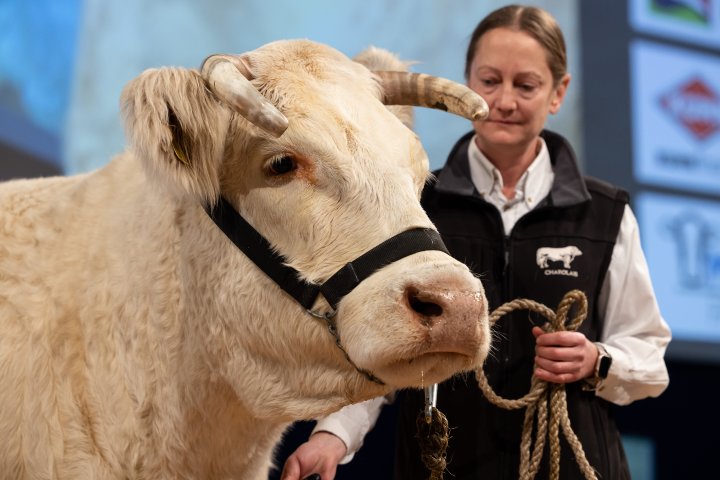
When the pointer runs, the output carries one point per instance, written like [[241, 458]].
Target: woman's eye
[[281, 165]]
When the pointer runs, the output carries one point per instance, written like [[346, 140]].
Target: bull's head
[[299, 140]]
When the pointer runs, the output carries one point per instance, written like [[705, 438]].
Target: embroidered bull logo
[[564, 254]]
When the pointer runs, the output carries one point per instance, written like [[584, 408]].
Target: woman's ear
[[177, 129], [559, 94]]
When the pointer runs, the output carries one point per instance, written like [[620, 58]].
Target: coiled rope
[[433, 437]]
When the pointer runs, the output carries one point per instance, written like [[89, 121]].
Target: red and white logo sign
[[696, 106]]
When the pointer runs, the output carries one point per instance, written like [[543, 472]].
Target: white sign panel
[[676, 117], [684, 261], [693, 21]]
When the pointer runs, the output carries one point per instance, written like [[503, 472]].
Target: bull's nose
[[453, 320], [427, 306], [433, 305]]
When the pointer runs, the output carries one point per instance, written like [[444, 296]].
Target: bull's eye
[[281, 165]]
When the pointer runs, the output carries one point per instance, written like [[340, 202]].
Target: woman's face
[[511, 72]]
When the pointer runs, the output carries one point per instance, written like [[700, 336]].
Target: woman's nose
[[505, 99]]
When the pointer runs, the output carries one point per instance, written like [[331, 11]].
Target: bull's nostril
[[423, 307]]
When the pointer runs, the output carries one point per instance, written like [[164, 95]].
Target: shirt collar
[[533, 186]]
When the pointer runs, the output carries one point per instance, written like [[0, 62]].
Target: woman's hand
[[320, 455], [563, 357]]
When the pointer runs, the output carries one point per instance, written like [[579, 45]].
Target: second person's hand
[[316, 459]]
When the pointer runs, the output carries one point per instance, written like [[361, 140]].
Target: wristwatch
[[602, 368]]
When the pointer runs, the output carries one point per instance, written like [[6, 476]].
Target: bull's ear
[[378, 59], [177, 129]]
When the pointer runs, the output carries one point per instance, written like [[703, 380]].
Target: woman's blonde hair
[[537, 23]]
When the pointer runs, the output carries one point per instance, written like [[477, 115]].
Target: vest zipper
[[506, 253]]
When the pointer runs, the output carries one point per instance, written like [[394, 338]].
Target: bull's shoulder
[[28, 186], [28, 198], [47, 215]]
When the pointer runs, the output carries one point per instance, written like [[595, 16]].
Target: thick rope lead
[[541, 394], [433, 437]]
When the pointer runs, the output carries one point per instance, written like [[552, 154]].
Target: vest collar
[[568, 187]]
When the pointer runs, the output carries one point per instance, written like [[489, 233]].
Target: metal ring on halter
[[323, 316]]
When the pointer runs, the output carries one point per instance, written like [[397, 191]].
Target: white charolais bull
[[562, 254], [138, 342]]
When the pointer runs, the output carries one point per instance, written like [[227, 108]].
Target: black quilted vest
[[565, 243]]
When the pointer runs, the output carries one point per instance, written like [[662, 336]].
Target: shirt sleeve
[[352, 423], [634, 332]]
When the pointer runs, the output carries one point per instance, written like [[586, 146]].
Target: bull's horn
[[419, 89], [228, 78]]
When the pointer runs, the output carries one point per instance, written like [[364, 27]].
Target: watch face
[[604, 366]]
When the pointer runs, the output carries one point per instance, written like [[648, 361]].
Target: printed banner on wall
[[684, 261], [693, 21], [676, 117], [37, 56]]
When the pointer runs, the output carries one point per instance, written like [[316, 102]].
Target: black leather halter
[[258, 249]]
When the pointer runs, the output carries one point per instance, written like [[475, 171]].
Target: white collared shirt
[[533, 186]]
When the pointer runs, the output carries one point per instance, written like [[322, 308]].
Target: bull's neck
[[219, 438]]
